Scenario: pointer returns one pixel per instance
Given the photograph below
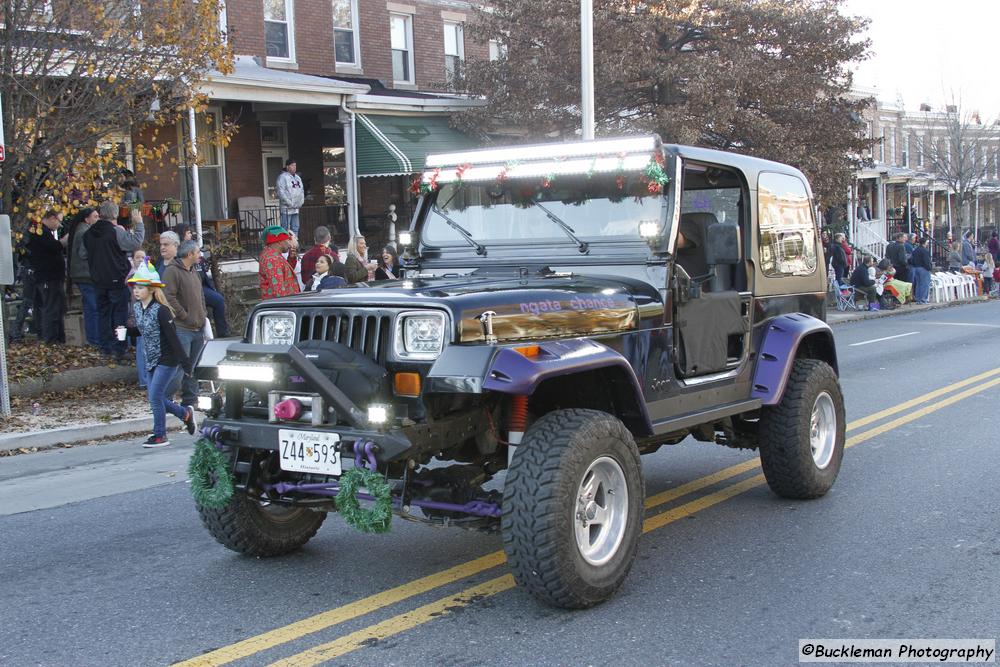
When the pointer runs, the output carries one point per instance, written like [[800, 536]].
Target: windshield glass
[[602, 206]]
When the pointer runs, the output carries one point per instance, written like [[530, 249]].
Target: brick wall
[[314, 38], [244, 170]]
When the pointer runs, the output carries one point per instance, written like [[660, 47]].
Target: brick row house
[[898, 189], [354, 90]]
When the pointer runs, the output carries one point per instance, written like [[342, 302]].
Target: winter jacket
[[159, 336], [896, 254], [921, 258], [968, 253], [291, 195], [327, 281], [185, 296], [79, 269], [46, 257], [276, 275], [838, 260], [861, 277], [105, 247], [314, 253], [354, 270]]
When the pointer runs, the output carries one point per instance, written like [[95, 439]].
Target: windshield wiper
[[582, 246], [480, 248]]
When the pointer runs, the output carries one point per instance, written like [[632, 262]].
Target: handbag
[[206, 331]]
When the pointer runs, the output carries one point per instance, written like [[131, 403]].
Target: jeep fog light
[[378, 414], [405, 238], [246, 372], [649, 229], [204, 403]]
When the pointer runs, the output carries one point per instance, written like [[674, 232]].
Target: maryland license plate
[[309, 451]]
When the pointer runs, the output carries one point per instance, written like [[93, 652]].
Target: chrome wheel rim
[[823, 430], [601, 512]]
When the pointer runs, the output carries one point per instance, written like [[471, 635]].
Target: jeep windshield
[[599, 207]]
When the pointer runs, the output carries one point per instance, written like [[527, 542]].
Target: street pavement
[[103, 560]]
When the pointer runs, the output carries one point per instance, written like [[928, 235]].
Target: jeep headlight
[[420, 335], [275, 328]]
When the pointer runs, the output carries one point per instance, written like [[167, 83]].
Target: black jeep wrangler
[[564, 309]]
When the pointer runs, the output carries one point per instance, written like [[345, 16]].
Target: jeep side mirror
[[722, 244]]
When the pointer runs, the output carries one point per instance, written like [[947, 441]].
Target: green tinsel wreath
[[375, 519], [208, 471]]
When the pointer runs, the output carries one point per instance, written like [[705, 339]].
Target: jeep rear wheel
[[572, 508], [802, 438], [255, 528]]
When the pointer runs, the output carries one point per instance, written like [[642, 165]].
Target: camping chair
[[846, 297]]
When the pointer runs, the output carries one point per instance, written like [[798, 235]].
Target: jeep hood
[[525, 309]]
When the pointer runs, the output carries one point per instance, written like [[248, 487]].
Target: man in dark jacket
[[920, 261], [106, 246], [864, 283], [50, 278], [896, 253], [79, 274], [838, 258]]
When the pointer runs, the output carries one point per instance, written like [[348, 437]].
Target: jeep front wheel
[[254, 528], [802, 438], [572, 508]]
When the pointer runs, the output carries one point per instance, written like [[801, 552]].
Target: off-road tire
[[785, 450], [540, 507], [250, 528]]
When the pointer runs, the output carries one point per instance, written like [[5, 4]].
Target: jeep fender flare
[[786, 338], [512, 372]]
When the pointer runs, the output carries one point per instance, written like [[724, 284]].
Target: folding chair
[[846, 295]]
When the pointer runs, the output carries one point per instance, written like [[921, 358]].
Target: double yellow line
[[430, 611]]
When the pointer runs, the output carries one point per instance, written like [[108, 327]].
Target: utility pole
[[587, 69]]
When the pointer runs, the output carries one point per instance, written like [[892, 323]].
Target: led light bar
[[246, 372], [646, 144], [547, 168]]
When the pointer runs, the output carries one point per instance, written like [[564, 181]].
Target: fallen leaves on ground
[[85, 405], [27, 360]]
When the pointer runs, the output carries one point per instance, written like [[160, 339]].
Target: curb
[[73, 379], [836, 317], [73, 434]]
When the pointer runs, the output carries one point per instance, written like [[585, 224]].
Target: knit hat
[[146, 275], [273, 234]]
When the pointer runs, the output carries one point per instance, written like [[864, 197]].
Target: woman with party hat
[[154, 321]]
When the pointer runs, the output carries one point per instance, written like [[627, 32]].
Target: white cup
[[120, 332]]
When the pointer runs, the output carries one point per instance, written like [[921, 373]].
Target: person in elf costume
[[154, 321], [277, 276]]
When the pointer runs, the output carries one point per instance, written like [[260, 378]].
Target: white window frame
[[220, 157], [497, 49], [408, 18], [459, 43], [906, 150], [289, 27], [356, 30]]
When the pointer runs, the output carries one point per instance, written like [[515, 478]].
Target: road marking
[[906, 405], [966, 324], [430, 611], [324, 620], [879, 340]]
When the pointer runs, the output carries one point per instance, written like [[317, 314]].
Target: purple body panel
[[513, 373], [777, 352]]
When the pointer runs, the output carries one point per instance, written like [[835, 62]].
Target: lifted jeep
[[564, 309]]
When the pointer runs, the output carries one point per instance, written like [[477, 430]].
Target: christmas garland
[[374, 520], [208, 471]]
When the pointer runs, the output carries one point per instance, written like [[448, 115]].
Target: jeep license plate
[[309, 451]]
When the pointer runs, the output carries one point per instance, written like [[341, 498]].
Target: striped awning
[[397, 145]]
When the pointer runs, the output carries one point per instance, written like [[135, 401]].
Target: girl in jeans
[[154, 321]]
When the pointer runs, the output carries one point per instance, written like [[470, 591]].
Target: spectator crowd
[[903, 275]]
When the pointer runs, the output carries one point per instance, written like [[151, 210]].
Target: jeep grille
[[364, 330]]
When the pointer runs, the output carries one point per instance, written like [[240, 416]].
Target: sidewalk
[[52, 438]]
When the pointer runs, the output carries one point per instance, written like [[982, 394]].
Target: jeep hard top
[[564, 309]]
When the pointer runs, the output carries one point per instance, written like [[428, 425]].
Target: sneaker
[[190, 422], [156, 441]]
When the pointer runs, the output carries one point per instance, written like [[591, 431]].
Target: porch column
[[909, 210], [195, 186], [351, 164]]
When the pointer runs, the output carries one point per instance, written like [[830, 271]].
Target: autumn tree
[[960, 151], [764, 77], [74, 71]]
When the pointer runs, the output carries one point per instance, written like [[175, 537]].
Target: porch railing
[[251, 222], [869, 238]]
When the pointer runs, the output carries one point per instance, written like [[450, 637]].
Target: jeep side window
[[787, 232], [710, 195]]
